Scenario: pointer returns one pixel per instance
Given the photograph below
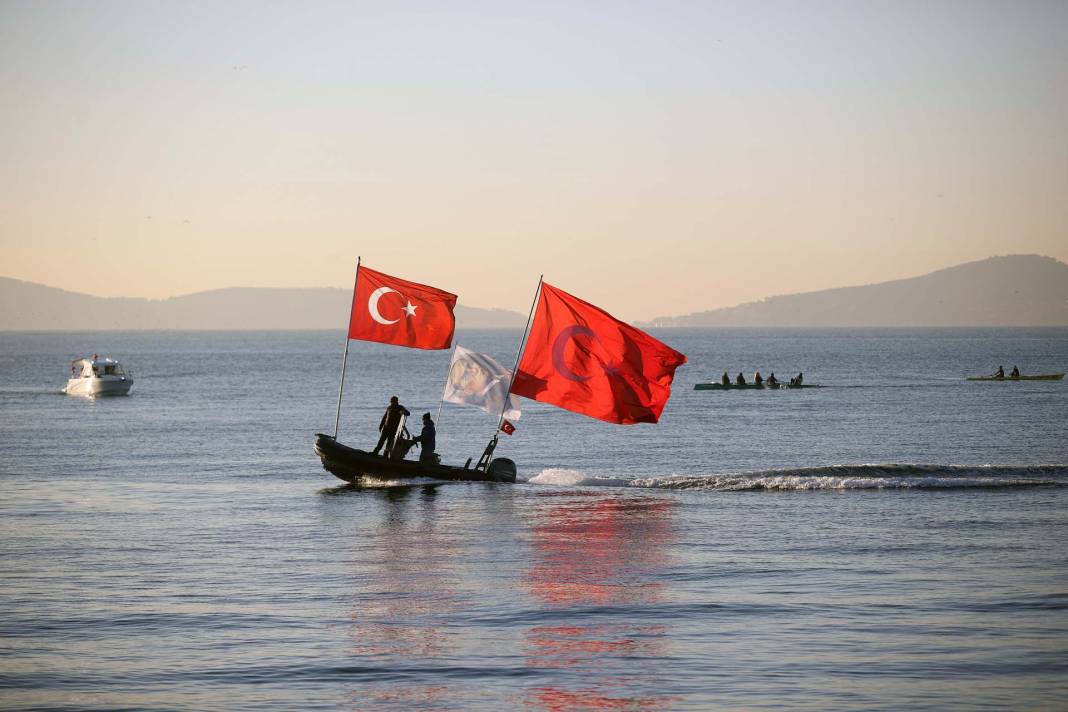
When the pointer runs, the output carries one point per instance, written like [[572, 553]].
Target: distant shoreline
[[459, 329], [1012, 290]]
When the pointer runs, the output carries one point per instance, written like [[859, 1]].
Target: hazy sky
[[654, 158]]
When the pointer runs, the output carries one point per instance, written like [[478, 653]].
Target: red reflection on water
[[401, 593], [604, 552], [432, 697], [566, 646], [598, 552], [556, 700]]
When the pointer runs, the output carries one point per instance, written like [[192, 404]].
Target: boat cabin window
[[96, 370]]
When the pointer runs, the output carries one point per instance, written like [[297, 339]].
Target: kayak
[[1042, 377], [750, 386]]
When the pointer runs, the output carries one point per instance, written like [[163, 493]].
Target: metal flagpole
[[487, 454], [519, 354], [445, 387], [345, 358]]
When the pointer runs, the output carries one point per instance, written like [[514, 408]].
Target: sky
[[654, 158]]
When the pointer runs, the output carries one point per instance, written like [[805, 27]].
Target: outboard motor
[[502, 469]]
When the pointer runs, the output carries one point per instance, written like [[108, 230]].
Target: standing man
[[389, 426]]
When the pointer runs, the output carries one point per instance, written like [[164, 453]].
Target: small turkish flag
[[581, 358], [395, 311], [507, 428]]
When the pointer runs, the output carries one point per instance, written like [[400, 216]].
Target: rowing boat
[[726, 386], [750, 386], [1041, 377]]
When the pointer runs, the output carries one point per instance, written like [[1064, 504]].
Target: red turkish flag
[[507, 427], [583, 359], [395, 311]]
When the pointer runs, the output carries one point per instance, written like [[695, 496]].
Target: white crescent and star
[[372, 306]]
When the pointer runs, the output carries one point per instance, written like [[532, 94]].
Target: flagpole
[[345, 358], [487, 454], [445, 387], [519, 355]]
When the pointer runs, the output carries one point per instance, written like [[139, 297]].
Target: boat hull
[[1041, 377], [352, 465], [750, 387], [98, 386]]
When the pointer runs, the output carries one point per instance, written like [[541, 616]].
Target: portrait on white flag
[[476, 379]]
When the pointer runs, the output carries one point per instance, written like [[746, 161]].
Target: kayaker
[[1015, 372], [726, 380], [389, 425], [740, 380], [800, 379], [1000, 372], [772, 381], [425, 440], [757, 379]]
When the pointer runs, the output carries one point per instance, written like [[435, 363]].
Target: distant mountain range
[[1013, 290], [25, 306]]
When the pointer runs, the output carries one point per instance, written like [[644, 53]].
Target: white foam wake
[[834, 477], [575, 478]]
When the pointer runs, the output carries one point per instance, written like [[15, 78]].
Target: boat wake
[[834, 477]]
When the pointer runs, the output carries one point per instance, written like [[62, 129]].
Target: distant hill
[[25, 306], [1013, 290]]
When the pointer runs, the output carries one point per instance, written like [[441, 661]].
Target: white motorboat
[[97, 376]]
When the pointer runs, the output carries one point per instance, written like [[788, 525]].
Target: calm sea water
[[897, 540]]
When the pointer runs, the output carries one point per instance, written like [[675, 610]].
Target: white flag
[[476, 379]]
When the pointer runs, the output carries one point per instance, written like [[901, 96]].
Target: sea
[[895, 540]]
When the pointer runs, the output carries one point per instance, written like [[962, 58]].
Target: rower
[[800, 378], [726, 380], [740, 380], [757, 379], [772, 381], [1015, 372], [1000, 373]]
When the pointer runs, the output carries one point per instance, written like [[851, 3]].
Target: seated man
[[1000, 373], [1015, 372], [426, 439], [726, 380], [757, 379], [740, 380], [772, 381]]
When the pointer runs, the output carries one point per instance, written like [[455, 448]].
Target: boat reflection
[[404, 592], [589, 554]]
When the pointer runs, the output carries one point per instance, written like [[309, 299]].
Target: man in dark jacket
[[426, 438], [390, 425]]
